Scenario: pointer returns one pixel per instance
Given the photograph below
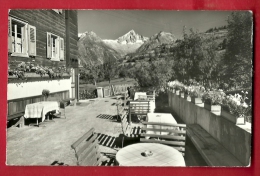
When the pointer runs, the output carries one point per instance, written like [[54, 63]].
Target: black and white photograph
[[160, 88]]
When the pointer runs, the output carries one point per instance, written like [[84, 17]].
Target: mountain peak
[[131, 32], [157, 40], [131, 37]]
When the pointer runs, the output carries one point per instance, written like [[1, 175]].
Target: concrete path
[[52, 144]]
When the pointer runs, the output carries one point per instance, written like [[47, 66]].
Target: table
[[163, 155], [40, 109], [141, 95], [160, 118]]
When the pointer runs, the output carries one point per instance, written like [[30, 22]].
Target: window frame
[[26, 39], [58, 48]]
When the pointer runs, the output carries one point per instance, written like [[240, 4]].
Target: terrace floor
[[51, 145]]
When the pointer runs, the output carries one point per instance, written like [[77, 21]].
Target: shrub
[[45, 92], [85, 94]]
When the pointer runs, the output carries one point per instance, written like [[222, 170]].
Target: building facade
[[42, 54]]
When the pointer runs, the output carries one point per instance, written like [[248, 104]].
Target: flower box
[[187, 97], [196, 100], [212, 108], [237, 120]]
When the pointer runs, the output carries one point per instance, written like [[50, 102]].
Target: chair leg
[[123, 142]]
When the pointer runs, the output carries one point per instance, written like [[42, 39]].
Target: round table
[[163, 155]]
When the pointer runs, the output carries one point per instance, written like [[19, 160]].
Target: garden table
[[162, 155], [140, 95], [40, 109], [160, 118]]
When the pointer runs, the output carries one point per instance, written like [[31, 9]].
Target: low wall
[[23, 93], [235, 139], [29, 89]]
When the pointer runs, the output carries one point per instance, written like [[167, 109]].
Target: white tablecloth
[[163, 155], [40, 109], [160, 118], [142, 95]]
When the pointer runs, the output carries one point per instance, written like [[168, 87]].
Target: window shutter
[[57, 49], [61, 49], [32, 40], [48, 45], [9, 34]]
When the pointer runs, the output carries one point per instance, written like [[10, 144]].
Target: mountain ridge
[[92, 49]]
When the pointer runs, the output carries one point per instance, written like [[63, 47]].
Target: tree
[[90, 71], [109, 67], [123, 72], [238, 57]]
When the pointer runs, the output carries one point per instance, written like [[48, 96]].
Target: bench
[[18, 115], [87, 149], [175, 138], [210, 149]]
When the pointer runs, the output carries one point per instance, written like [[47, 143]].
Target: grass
[[91, 87]]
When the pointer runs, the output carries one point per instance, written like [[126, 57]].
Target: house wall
[[235, 139], [72, 32]]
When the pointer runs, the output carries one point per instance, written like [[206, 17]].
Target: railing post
[[129, 109]]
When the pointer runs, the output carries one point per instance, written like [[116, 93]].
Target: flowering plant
[[187, 89], [45, 92], [23, 67], [214, 97], [236, 105], [196, 91]]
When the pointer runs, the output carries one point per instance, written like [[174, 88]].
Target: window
[[21, 38], [59, 11], [55, 47]]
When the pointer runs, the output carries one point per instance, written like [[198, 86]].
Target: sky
[[111, 24]]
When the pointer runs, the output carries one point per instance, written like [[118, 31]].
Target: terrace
[[51, 145], [211, 139]]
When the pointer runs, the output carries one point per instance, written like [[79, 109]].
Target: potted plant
[[182, 88], [187, 91], [235, 109], [196, 94], [45, 94], [177, 89], [213, 100]]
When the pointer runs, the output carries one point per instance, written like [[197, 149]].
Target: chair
[[129, 133], [138, 108], [87, 149], [151, 97], [164, 133]]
